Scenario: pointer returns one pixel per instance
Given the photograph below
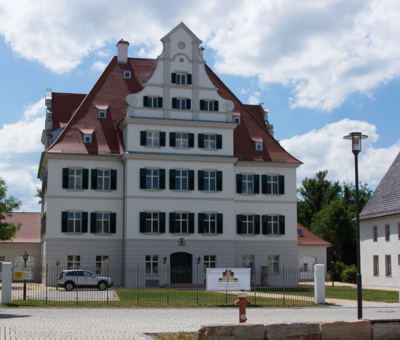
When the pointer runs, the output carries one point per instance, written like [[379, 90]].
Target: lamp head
[[355, 138], [25, 256]]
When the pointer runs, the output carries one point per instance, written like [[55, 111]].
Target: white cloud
[[103, 54], [325, 149], [324, 51], [98, 66], [243, 91], [254, 99]]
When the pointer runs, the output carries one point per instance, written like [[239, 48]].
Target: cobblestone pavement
[[128, 323]]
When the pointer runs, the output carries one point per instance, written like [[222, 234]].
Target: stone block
[[232, 332], [293, 331], [386, 330], [349, 330]]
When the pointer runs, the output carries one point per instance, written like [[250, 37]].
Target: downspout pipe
[[123, 223]]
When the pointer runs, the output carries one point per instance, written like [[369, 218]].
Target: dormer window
[[181, 78], [236, 119], [127, 74], [87, 138], [181, 60], [101, 111], [259, 146]]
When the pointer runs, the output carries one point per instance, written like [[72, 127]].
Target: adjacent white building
[[380, 231], [161, 165]]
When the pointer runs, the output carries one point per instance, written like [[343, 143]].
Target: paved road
[[126, 323]]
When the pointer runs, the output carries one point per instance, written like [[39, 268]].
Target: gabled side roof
[[30, 229], [386, 198], [309, 239], [63, 104]]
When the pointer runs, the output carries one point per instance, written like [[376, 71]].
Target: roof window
[[101, 111], [236, 119], [127, 74], [87, 138], [300, 232], [259, 146]]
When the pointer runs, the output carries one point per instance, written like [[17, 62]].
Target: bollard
[[242, 303]]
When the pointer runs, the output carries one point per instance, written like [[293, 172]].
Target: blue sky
[[322, 69]]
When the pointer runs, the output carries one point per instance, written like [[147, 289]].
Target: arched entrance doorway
[[181, 268]]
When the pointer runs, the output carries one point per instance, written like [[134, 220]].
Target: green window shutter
[[256, 184], [219, 142], [113, 180], [191, 140], [172, 223], [142, 178], [216, 106], [265, 224], [189, 79], [113, 223], [219, 180], [191, 180], [172, 137], [200, 183], [64, 222], [220, 223], [281, 185], [174, 103], [94, 179], [142, 224], [160, 102], [257, 224], [143, 137], [239, 183], [200, 138], [145, 101], [84, 222], [281, 225], [191, 223], [188, 104], [201, 223], [202, 104], [239, 224], [171, 179], [162, 179], [173, 78], [85, 179], [264, 184], [65, 178], [93, 222], [162, 138], [162, 223]]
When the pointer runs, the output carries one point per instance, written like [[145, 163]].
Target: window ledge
[[153, 147], [210, 149], [154, 190], [272, 235], [178, 148], [179, 234], [209, 191], [100, 190], [205, 234], [73, 233], [244, 194], [79, 190], [174, 190], [101, 234], [248, 235], [152, 234]]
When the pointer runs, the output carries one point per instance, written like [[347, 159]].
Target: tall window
[[247, 184], [388, 261], [75, 179], [307, 263], [152, 138], [181, 179], [181, 140], [387, 232], [103, 223], [209, 180], [152, 102], [248, 224], [376, 265], [210, 142], [375, 233], [152, 223], [151, 264], [181, 223], [152, 179], [272, 185], [209, 224], [73, 262], [19, 262], [273, 264], [103, 179], [273, 225], [209, 261], [102, 264], [74, 222], [181, 104], [180, 79], [209, 105], [247, 261]]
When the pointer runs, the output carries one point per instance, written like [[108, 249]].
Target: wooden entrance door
[[181, 268]]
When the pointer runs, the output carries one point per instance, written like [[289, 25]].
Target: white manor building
[[161, 165]]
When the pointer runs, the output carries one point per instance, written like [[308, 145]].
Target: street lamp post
[[332, 274], [356, 138], [57, 264], [25, 256]]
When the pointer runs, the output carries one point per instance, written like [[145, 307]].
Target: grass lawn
[[175, 336]]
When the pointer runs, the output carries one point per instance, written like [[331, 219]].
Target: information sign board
[[223, 279], [22, 274]]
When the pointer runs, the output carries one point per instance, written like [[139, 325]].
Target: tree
[[39, 194], [7, 206]]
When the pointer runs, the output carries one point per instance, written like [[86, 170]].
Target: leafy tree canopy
[[7, 206]]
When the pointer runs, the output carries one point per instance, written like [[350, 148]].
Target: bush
[[338, 271], [350, 274]]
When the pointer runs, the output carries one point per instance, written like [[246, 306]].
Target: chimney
[[201, 50], [122, 48], [270, 127]]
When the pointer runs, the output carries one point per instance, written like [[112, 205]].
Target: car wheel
[[102, 285], [69, 286]]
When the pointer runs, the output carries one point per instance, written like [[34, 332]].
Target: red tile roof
[[309, 239], [111, 90], [63, 104], [30, 228]]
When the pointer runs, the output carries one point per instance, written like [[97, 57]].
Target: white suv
[[70, 279]]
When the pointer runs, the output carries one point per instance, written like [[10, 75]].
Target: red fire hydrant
[[242, 303]]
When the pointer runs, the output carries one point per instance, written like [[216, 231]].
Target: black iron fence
[[152, 286]]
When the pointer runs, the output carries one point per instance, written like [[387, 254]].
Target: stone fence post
[[319, 283], [6, 280]]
